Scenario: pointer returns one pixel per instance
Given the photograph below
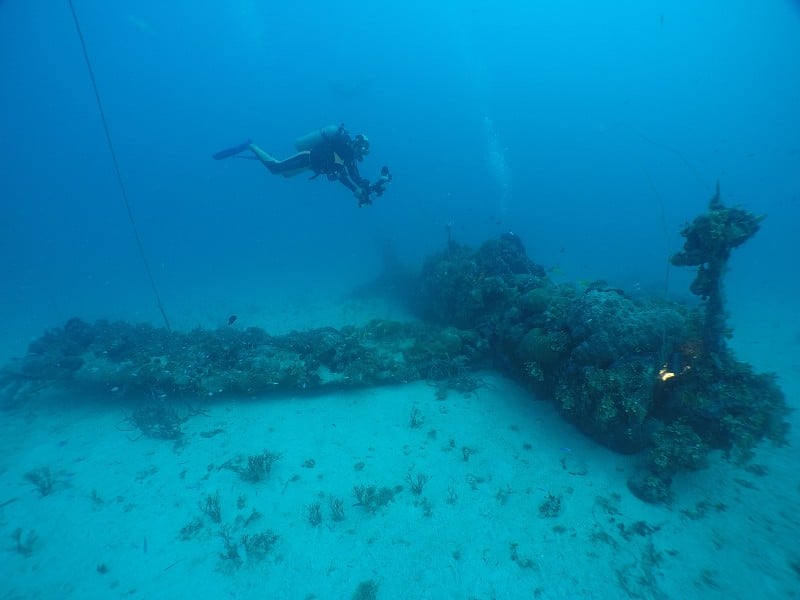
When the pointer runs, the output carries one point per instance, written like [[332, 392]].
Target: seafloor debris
[[636, 374]]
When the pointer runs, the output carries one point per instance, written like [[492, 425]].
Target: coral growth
[[371, 498], [636, 373], [42, 479], [709, 240]]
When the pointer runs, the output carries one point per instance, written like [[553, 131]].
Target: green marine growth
[[717, 402], [709, 241]]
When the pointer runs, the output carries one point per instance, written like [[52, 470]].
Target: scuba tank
[[310, 140]]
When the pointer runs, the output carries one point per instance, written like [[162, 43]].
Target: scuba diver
[[329, 151]]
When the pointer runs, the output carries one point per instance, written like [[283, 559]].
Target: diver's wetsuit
[[333, 157], [330, 152], [336, 159]]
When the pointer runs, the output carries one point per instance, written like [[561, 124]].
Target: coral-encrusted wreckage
[[639, 375]]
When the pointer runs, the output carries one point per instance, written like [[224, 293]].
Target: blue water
[[568, 123], [593, 130]]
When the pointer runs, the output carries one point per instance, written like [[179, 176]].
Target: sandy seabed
[[517, 503]]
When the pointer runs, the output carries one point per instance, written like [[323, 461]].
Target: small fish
[[231, 319]]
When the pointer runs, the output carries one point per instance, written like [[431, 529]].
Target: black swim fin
[[227, 153]]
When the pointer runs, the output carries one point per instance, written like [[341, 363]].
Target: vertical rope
[[122, 188]]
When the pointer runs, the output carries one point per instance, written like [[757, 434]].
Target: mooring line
[[139, 244]]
